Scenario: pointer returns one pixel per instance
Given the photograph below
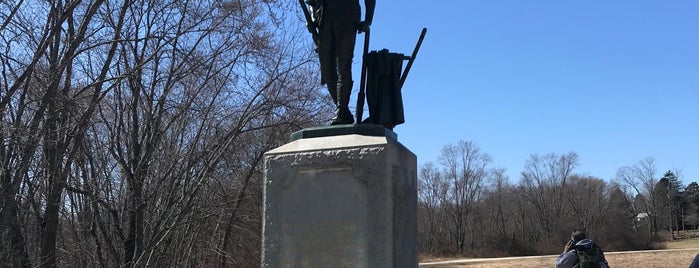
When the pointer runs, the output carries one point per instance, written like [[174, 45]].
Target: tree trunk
[[133, 245], [50, 231], [16, 255]]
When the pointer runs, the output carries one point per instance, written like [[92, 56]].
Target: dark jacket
[[569, 259]]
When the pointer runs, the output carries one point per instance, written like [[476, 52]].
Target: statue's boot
[[343, 115]]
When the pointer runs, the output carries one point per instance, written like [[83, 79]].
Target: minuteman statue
[[338, 22]]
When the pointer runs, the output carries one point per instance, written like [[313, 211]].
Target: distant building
[[641, 216]]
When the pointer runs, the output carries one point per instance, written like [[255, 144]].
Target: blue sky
[[613, 81]]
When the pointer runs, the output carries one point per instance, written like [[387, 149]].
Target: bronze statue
[[337, 23]]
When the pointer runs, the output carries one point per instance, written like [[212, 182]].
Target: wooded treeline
[[469, 207], [132, 131]]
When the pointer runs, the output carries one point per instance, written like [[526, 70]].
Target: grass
[[682, 244], [678, 254]]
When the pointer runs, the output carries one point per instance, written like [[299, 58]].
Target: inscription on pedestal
[[324, 215], [340, 201]]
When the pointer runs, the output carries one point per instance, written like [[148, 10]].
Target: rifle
[[312, 27], [362, 85], [412, 58]]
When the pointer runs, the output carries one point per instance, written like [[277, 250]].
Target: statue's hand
[[363, 27]]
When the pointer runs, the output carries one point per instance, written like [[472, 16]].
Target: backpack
[[590, 257]]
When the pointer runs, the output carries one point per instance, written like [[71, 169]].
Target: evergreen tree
[[668, 191], [691, 205], [619, 228]]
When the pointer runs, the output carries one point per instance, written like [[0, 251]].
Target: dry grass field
[[678, 254]]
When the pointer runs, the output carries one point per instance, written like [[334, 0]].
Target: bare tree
[[46, 105], [188, 95], [499, 197], [588, 201], [465, 167], [206, 75], [432, 190], [468, 209], [641, 178], [544, 181]]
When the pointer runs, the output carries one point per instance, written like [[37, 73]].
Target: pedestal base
[[340, 201]]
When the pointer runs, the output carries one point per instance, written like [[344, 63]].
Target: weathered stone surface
[[340, 201]]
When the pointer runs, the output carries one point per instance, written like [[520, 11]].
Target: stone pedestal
[[346, 200]]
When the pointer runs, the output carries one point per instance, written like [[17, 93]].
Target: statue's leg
[[346, 37], [328, 62]]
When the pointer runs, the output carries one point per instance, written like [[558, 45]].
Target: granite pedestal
[[342, 196]]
